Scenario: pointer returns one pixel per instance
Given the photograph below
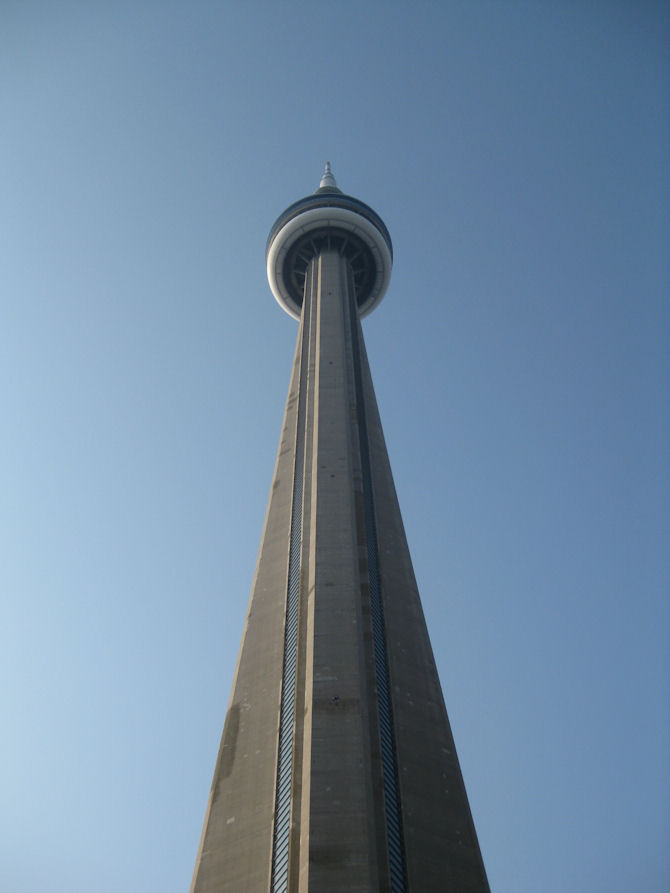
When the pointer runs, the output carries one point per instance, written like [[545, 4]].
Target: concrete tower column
[[337, 769]]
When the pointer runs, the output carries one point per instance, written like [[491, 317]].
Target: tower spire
[[327, 180]]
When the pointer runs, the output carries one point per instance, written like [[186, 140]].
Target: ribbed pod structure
[[337, 769]]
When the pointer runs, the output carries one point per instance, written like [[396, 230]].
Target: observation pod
[[328, 219]]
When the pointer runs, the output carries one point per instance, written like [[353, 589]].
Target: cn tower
[[337, 771]]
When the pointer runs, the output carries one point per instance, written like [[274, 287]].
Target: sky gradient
[[519, 155]]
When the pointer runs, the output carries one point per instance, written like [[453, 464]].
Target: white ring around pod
[[338, 218]]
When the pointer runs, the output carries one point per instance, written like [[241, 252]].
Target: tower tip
[[327, 180]]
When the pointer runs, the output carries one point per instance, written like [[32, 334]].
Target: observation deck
[[328, 219]]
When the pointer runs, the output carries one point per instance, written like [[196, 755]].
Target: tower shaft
[[337, 768]]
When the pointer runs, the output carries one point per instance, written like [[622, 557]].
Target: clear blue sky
[[519, 154]]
